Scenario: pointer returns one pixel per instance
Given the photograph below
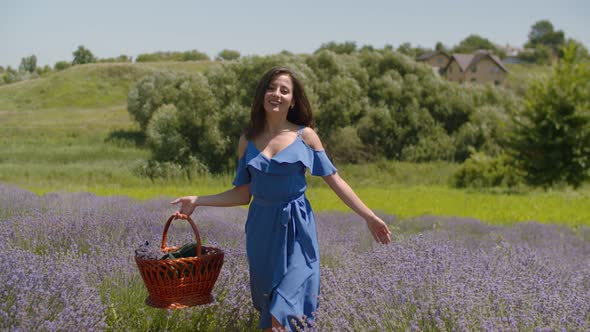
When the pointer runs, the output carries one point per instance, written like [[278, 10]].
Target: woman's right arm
[[239, 195]]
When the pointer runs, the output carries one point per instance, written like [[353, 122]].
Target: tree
[[541, 55], [543, 33], [581, 50], [28, 64], [43, 70], [83, 55], [228, 55], [475, 42], [61, 65], [193, 55], [440, 47], [551, 141], [11, 75], [348, 47], [407, 49]]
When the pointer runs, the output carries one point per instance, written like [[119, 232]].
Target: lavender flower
[[67, 263]]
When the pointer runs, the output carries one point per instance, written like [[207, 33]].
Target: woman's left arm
[[378, 228]]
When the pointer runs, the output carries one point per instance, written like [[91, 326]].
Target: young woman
[[281, 241]]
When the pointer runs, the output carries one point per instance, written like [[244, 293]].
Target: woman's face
[[279, 94]]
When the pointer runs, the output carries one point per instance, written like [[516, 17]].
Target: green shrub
[[345, 146], [164, 137], [227, 55], [482, 171], [551, 140], [61, 65], [192, 55], [170, 171], [82, 56], [151, 92], [121, 58], [11, 76]]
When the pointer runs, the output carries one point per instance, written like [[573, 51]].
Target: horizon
[[53, 31]]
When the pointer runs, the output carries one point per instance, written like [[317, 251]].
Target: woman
[[281, 240]]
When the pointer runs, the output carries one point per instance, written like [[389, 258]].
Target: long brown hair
[[300, 114]]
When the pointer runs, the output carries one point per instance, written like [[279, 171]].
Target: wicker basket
[[183, 282]]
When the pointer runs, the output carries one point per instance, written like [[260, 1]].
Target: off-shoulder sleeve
[[322, 165], [242, 174]]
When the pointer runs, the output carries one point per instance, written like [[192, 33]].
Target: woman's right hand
[[187, 204]]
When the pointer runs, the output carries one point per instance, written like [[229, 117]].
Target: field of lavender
[[67, 264]]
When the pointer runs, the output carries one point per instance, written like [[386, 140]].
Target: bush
[[121, 58], [540, 55], [151, 92], [61, 65], [192, 55], [345, 146], [482, 171], [11, 76], [153, 169], [42, 71], [551, 141], [348, 47], [82, 56], [228, 55], [164, 138]]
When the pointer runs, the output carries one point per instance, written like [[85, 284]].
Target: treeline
[[544, 45], [28, 68], [369, 104]]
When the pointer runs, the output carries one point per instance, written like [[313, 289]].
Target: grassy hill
[[85, 86], [72, 127]]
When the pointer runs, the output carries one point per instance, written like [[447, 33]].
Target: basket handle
[[177, 215]]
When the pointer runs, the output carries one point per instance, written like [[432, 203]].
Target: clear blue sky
[[52, 30]]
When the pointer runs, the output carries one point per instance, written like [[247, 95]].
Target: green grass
[[86, 86], [566, 208]]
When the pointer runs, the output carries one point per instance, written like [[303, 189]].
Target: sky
[[52, 30]]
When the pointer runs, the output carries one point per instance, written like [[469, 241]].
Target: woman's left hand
[[379, 229]]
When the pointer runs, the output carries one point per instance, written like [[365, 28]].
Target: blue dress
[[281, 238]]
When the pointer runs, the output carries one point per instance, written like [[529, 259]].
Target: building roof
[[466, 61]]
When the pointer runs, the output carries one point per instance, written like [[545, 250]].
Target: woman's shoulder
[[311, 138], [242, 144]]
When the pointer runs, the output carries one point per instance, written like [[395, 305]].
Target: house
[[436, 59], [512, 53], [479, 67]]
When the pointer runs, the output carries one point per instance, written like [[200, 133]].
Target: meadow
[[73, 208]]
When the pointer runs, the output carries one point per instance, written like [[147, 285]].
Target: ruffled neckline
[[296, 152], [298, 138]]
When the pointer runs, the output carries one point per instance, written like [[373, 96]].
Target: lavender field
[[67, 264]]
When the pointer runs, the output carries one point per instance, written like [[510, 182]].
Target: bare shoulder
[[311, 138], [242, 145]]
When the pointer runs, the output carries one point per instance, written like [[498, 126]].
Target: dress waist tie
[[294, 217]]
